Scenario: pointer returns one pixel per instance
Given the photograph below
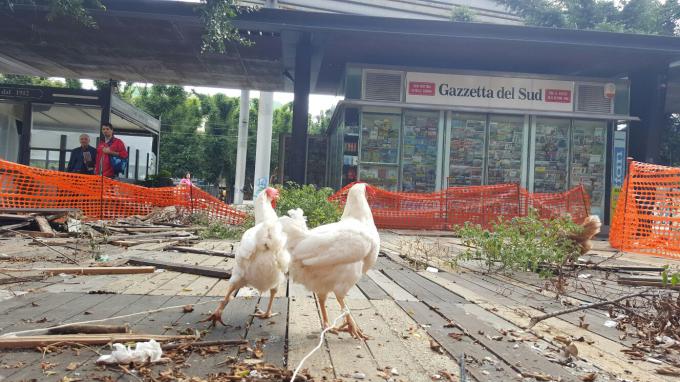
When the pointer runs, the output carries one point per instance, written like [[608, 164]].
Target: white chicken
[[333, 257], [261, 259]]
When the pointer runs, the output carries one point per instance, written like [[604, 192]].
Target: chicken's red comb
[[272, 193]]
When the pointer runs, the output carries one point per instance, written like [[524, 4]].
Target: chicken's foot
[[216, 316], [350, 326], [268, 314]]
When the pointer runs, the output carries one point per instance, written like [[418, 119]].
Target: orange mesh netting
[[647, 216], [29, 187], [477, 204]]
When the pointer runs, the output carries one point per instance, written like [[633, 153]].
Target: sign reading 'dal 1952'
[[489, 92], [11, 92]]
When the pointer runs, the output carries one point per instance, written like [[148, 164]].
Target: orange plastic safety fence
[[647, 216], [101, 198], [455, 206]]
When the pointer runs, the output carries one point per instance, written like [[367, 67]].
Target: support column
[[239, 177], [62, 152], [263, 151], [297, 163], [105, 99], [648, 102], [24, 156]]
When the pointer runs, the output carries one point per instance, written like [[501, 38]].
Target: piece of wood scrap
[[199, 251], [44, 225], [183, 268], [30, 342], [85, 271], [88, 329]]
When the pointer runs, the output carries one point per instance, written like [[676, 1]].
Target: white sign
[[489, 92]]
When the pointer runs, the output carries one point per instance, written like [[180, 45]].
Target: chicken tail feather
[[591, 227]]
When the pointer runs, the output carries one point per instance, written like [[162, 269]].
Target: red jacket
[[114, 144]]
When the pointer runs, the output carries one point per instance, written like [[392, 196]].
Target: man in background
[[111, 154], [83, 158]]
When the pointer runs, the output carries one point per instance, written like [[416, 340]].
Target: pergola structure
[[304, 52]]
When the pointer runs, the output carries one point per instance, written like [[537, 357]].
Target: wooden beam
[[85, 271], [30, 342], [44, 226], [183, 268], [200, 251]]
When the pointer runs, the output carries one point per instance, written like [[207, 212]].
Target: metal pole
[[62, 152], [136, 164], [146, 171], [241, 149], [263, 151], [25, 137], [127, 169]]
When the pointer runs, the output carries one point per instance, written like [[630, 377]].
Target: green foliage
[[77, 11], [633, 16], [521, 243], [212, 229], [216, 16], [462, 13], [312, 200], [38, 81], [670, 277]]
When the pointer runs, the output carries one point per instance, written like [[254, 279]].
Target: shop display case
[[550, 155], [589, 142], [505, 149], [379, 150], [466, 158], [419, 159], [350, 147]]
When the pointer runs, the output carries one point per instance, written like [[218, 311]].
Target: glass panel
[[466, 165], [551, 155], [380, 137], [419, 157], [53, 160], [588, 160], [506, 138], [385, 177], [38, 158]]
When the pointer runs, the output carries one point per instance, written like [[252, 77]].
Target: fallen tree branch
[[537, 319]]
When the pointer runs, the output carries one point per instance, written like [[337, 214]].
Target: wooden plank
[[392, 289], [195, 269], [387, 348], [413, 340], [423, 289], [520, 358], [371, 289], [478, 366], [44, 225], [23, 317], [237, 315], [175, 286], [349, 355], [30, 342], [272, 330], [209, 252], [150, 283], [601, 352], [304, 326], [85, 270], [199, 287]]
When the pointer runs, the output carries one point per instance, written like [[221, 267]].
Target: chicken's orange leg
[[217, 314], [268, 313], [350, 326], [324, 313]]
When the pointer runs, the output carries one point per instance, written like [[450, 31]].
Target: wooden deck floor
[[404, 310]]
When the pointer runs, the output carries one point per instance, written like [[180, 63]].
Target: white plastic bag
[[144, 351]]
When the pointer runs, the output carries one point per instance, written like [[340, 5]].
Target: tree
[[38, 81], [462, 13], [633, 16], [215, 14]]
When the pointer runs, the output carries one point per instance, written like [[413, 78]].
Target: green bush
[[522, 243], [314, 202], [213, 229]]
